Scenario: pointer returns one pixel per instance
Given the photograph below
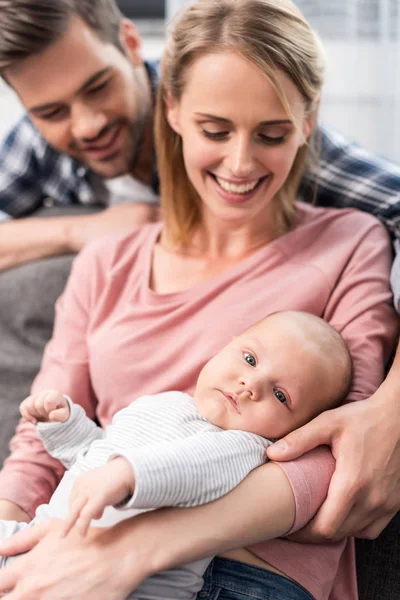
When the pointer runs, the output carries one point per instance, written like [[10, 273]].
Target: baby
[[171, 449]]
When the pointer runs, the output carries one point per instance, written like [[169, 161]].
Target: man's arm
[[25, 240]]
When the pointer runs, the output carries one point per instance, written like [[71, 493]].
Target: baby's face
[[267, 381]]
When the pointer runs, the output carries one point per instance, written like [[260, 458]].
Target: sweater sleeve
[[30, 474], [360, 308], [194, 470], [64, 441]]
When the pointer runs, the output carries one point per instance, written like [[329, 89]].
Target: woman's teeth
[[237, 189]]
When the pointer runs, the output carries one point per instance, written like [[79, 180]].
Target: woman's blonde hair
[[271, 34]]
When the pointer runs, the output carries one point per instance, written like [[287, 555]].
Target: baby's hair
[[331, 343]]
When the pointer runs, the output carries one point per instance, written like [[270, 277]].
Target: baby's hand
[[48, 405], [93, 491]]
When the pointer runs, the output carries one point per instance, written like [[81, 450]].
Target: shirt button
[[48, 202], [85, 197], [202, 594], [81, 172]]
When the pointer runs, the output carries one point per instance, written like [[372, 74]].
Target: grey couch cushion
[[27, 297]]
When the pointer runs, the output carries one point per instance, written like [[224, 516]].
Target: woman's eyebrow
[[262, 123]]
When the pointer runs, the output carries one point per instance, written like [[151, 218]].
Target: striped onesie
[[178, 458]]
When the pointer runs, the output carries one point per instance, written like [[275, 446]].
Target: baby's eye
[[249, 358], [281, 396]]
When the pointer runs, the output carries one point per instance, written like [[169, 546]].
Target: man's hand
[[94, 490], [364, 493], [116, 219], [45, 406]]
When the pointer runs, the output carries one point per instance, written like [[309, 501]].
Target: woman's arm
[[364, 436], [30, 475], [109, 563], [364, 494]]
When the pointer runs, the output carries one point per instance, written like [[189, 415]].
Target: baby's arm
[[186, 472], [193, 470], [62, 425]]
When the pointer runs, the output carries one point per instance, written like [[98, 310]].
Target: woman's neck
[[220, 240]]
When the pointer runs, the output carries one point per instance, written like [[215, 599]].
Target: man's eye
[[55, 114], [249, 358], [281, 396], [98, 88]]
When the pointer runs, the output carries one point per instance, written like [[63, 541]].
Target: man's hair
[[28, 27]]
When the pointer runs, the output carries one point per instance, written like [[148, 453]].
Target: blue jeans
[[232, 580]]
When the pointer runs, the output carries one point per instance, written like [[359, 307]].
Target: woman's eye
[[214, 135], [272, 141], [281, 396], [249, 358]]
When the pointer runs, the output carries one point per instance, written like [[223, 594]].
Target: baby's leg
[[7, 529]]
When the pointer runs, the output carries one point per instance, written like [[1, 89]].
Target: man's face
[[87, 98]]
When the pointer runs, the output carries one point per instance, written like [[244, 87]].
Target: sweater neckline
[[230, 273]]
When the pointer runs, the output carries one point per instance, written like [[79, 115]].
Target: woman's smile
[[236, 193]]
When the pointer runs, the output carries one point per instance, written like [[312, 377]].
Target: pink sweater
[[115, 339]]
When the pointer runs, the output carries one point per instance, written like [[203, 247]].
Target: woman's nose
[[240, 160]]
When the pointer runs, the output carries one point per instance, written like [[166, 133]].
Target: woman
[[143, 313]]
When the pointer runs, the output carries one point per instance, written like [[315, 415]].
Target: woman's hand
[[72, 568], [110, 563], [364, 494]]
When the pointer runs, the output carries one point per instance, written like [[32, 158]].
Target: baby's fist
[[45, 406]]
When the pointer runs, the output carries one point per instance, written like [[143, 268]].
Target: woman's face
[[239, 144]]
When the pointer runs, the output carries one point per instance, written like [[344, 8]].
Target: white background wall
[[361, 94]]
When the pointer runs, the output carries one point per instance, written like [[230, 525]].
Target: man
[[77, 68], [89, 99]]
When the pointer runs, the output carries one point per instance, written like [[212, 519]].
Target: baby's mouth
[[234, 401]]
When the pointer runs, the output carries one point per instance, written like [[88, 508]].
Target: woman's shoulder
[[115, 250], [337, 220]]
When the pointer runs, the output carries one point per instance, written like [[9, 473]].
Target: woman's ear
[[172, 112], [131, 42], [311, 119]]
